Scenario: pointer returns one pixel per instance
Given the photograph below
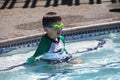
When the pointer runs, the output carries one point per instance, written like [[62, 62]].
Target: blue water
[[100, 56]]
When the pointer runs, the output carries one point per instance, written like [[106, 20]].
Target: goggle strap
[[47, 26]]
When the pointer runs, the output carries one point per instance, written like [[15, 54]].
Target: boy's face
[[55, 31]]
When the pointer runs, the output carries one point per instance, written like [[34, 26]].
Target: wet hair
[[50, 18]]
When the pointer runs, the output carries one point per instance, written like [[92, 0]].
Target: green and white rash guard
[[50, 49]]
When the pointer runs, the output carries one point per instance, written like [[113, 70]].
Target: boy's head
[[52, 24], [50, 18]]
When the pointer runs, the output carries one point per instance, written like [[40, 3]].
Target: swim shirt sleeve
[[43, 47], [63, 40]]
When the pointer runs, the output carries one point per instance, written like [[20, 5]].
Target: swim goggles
[[55, 26]]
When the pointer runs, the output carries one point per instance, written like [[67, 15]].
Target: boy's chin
[[58, 35]]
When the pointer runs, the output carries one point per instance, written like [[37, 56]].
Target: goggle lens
[[56, 26]]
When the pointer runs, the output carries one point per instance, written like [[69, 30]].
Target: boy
[[51, 46]]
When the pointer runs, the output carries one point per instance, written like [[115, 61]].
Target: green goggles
[[55, 26]]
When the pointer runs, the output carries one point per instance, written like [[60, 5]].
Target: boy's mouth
[[58, 33]]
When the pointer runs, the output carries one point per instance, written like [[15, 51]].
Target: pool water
[[100, 56]]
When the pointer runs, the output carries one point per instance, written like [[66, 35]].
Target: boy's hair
[[50, 18]]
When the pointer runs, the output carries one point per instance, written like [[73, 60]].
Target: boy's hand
[[76, 61]]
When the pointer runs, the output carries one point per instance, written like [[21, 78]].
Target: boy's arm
[[43, 47]]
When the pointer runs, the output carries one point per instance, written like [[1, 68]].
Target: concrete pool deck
[[20, 22]]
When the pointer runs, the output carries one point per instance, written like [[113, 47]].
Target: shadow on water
[[46, 3]]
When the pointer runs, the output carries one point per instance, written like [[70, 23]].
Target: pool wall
[[71, 34]]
